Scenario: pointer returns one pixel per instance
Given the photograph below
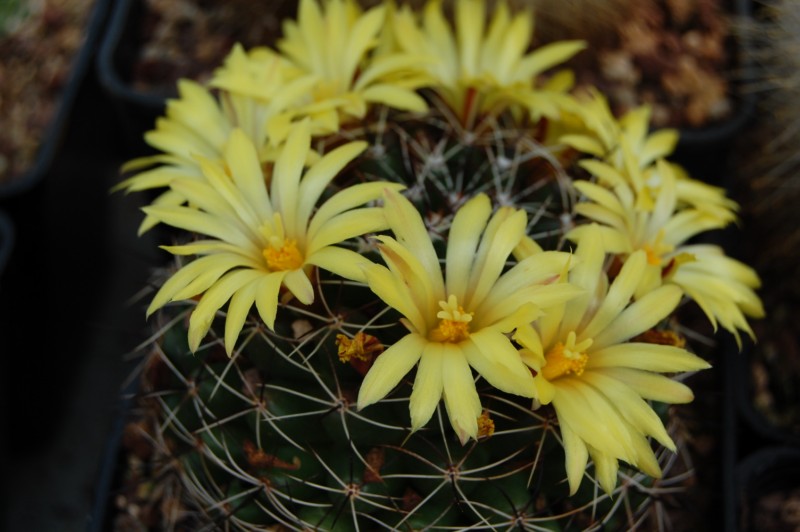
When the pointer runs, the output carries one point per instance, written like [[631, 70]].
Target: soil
[[676, 55], [190, 38], [776, 511], [39, 40], [673, 54]]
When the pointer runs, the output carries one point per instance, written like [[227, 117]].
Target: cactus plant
[[451, 283]]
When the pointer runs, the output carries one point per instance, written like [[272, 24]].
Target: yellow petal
[[660, 144], [606, 173], [644, 458], [298, 283], [649, 357], [168, 198], [288, 170], [631, 406], [640, 316], [342, 262], [361, 39], [213, 270], [465, 233], [196, 221], [219, 294], [208, 247], [585, 144], [213, 266], [651, 386], [613, 240], [603, 215], [347, 199], [389, 368], [469, 34], [599, 195], [545, 391], [201, 195], [395, 97], [587, 275], [503, 232], [409, 229], [605, 468], [238, 309], [428, 385], [547, 56], [319, 175], [242, 158], [345, 226], [396, 294], [576, 456], [528, 337], [460, 396], [540, 268], [618, 296], [267, 297], [592, 418], [497, 361], [409, 271]]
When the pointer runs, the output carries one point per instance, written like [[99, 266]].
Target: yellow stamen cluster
[[454, 322], [657, 249], [566, 358], [485, 425], [284, 256], [362, 347]]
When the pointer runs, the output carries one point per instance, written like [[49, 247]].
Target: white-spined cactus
[[419, 284]]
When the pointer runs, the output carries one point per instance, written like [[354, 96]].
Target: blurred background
[[82, 80]]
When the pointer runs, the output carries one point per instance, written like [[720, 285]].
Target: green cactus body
[[273, 433]]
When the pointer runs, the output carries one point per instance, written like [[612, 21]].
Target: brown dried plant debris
[[37, 50]]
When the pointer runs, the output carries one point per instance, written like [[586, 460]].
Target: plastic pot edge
[[107, 68], [55, 130]]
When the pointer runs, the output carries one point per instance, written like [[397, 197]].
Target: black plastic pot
[[136, 110], [54, 134], [6, 240], [767, 473], [110, 472], [765, 430]]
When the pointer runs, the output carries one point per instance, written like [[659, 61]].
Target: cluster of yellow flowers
[[237, 166]]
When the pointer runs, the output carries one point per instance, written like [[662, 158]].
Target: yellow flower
[[627, 149], [198, 122], [596, 379], [464, 320], [261, 240], [600, 133], [257, 85], [195, 125], [721, 286], [479, 69], [334, 48]]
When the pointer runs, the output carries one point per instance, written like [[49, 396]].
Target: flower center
[[566, 358], [657, 249], [284, 256], [453, 322]]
